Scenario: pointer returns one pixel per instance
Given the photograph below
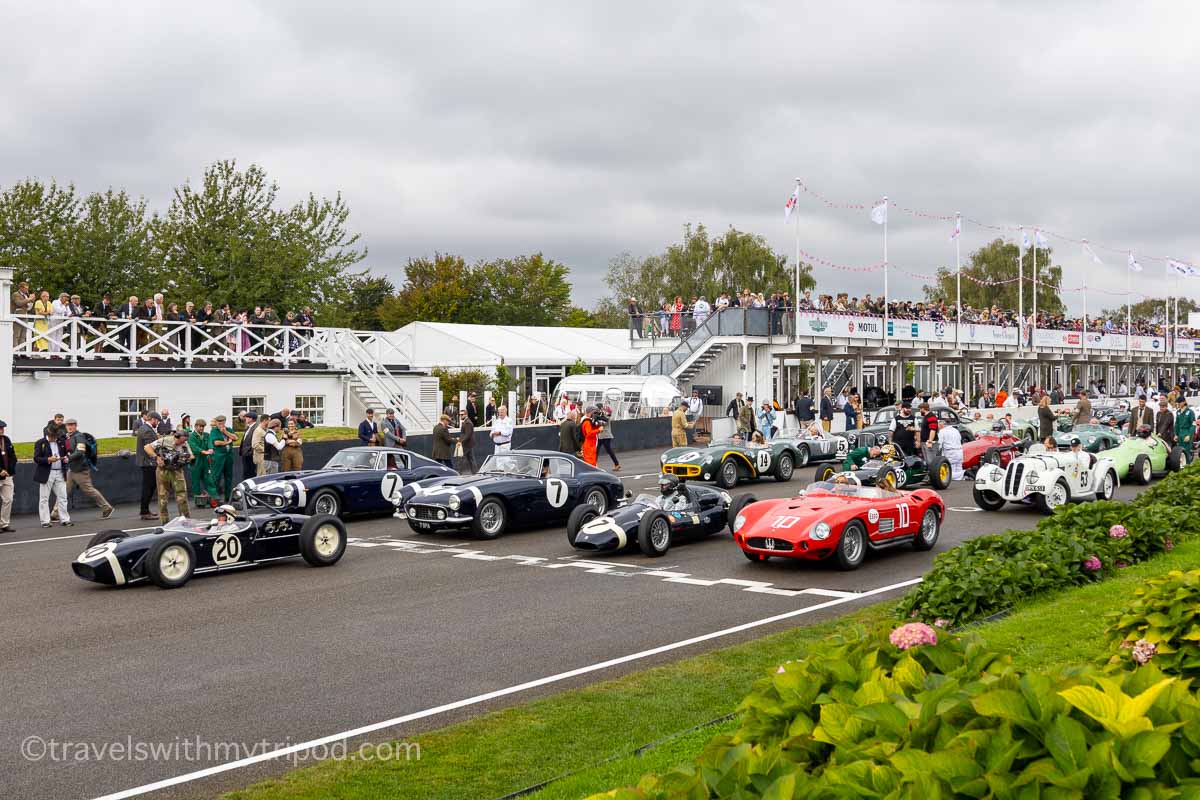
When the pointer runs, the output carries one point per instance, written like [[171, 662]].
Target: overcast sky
[[585, 129]]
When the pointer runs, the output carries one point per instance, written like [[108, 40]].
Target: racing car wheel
[[580, 515]]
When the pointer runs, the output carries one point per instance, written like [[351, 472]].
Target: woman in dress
[[42, 309], [677, 316]]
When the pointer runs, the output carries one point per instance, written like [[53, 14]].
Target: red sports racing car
[[993, 447], [840, 520]]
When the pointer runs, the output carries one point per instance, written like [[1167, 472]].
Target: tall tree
[[702, 266], [112, 249], [227, 241], [437, 290], [989, 278], [37, 232], [364, 297]]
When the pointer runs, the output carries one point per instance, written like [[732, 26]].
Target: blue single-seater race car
[[170, 555], [347, 484], [521, 488]]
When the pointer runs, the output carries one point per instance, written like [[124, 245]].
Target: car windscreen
[[651, 500], [513, 464], [848, 490], [352, 459]]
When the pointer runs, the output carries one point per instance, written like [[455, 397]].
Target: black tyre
[[824, 472], [580, 516], [851, 546], [597, 498], [927, 534], [654, 534], [785, 467], [939, 473], [170, 563], [991, 456], [325, 503], [735, 507], [1058, 496], [106, 536], [727, 475], [1176, 459], [1141, 471], [322, 540], [987, 500], [757, 558], [491, 518], [801, 456]]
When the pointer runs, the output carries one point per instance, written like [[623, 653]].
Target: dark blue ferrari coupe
[[348, 484]]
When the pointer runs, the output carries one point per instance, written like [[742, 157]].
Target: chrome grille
[[422, 512], [767, 543], [1012, 477]]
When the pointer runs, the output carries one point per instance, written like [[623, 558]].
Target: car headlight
[[662, 459], [738, 522], [820, 531], [237, 493], [881, 439], [852, 439], [278, 502], [1032, 476], [454, 502], [289, 491]]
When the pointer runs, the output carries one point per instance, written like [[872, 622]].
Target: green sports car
[[728, 461], [1095, 438], [1145, 455]]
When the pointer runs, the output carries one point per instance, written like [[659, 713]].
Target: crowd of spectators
[[48, 314], [679, 318]]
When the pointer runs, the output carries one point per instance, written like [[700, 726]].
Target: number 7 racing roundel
[[556, 492]]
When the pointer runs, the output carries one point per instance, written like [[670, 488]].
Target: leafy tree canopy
[[997, 261]]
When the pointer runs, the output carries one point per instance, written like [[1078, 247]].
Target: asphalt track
[[240, 664]]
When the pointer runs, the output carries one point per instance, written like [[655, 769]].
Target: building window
[[312, 405], [243, 403], [130, 410]]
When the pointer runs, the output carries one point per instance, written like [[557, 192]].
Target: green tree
[[366, 295], [437, 290], [453, 381], [37, 233], [1153, 309], [702, 266], [580, 367], [526, 290], [988, 279], [112, 248], [226, 241], [503, 383]]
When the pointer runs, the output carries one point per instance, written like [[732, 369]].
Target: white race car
[[1048, 478]]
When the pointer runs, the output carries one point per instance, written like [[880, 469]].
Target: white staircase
[[372, 382]]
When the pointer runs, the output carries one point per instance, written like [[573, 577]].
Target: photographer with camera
[[171, 455], [603, 418]]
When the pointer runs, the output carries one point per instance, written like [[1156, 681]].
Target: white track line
[[483, 698], [57, 538]]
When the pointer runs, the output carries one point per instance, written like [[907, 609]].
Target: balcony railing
[[77, 341]]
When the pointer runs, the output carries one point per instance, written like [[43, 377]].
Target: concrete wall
[[94, 398], [120, 481]]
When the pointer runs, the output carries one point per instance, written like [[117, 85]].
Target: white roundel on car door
[[762, 460], [390, 485], [556, 492], [227, 549]]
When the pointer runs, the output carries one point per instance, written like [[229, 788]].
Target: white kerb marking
[[483, 698]]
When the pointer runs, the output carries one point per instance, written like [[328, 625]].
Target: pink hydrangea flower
[[1118, 532], [1168, 544], [940, 623], [1143, 651], [1092, 564], [912, 634], [780, 670]]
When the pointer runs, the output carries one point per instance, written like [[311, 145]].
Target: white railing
[[80, 340]]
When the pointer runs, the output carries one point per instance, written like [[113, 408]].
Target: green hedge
[[1078, 543], [1162, 625], [861, 717]]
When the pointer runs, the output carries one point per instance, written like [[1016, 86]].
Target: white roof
[[450, 344]]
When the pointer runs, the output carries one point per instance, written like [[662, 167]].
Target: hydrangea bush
[[1161, 624]]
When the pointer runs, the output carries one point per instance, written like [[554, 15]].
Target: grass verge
[[114, 444], [585, 739]]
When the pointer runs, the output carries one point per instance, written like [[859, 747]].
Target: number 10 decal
[[904, 516], [556, 492]]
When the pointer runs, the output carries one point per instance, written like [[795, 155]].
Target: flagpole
[[1021, 289], [958, 276], [1128, 299], [796, 297], [1033, 325], [1085, 325], [885, 272]]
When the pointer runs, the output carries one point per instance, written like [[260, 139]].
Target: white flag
[[957, 228], [1180, 268], [1087, 249], [1134, 266], [1039, 239], [790, 205], [1024, 239], [879, 213]]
